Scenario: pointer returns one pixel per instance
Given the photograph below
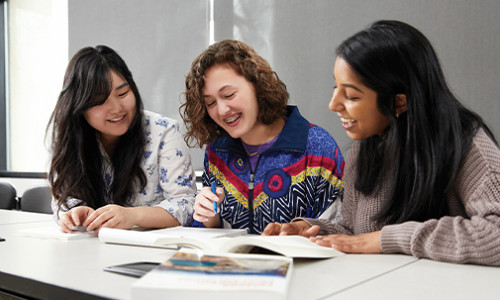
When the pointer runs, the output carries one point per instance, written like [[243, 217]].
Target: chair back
[[7, 196], [37, 199]]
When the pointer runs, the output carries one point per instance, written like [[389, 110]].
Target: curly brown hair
[[271, 92]]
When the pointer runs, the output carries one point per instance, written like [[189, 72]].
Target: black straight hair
[[76, 165], [422, 149]]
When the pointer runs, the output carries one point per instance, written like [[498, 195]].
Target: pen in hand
[[214, 190]]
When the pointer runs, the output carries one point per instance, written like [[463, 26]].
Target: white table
[[427, 279], [53, 269], [315, 279], [20, 217]]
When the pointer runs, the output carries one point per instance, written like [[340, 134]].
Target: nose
[[114, 104], [222, 107], [336, 102]]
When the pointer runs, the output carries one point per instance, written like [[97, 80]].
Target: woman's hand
[[295, 228], [111, 216], [204, 206], [74, 217], [368, 243]]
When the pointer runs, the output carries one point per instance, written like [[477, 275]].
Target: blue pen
[[214, 190]]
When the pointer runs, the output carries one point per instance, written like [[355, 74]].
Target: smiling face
[[113, 118], [231, 102], [356, 104]]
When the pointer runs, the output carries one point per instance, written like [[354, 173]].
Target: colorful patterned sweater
[[300, 175]]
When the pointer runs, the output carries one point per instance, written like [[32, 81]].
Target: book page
[[128, 237], [53, 232], [290, 245], [167, 237], [195, 232]]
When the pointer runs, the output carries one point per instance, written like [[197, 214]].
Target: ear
[[400, 104]]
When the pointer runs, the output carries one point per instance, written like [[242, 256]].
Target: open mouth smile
[[233, 119], [117, 119], [348, 123]]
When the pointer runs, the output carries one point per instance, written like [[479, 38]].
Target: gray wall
[[159, 40]]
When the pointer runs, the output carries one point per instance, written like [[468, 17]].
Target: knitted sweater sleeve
[[471, 239]]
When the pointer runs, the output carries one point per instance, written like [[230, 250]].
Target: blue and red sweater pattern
[[300, 175]]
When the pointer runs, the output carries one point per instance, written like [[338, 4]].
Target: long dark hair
[[271, 92], [422, 149], [76, 166]]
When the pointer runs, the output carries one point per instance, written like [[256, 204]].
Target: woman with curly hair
[[268, 162], [423, 175], [113, 163]]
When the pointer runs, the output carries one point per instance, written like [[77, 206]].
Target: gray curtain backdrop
[[160, 38]]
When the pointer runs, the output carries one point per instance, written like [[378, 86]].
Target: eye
[[123, 94], [351, 98], [210, 104], [230, 95]]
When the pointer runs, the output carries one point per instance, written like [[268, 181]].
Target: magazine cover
[[191, 273]]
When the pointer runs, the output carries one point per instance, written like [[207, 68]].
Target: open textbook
[[151, 238], [226, 241], [191, 275]]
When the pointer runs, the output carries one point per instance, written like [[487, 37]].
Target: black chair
[[37, 199], [7, 196]]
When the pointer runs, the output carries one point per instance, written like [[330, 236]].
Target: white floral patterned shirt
[[167, 166]]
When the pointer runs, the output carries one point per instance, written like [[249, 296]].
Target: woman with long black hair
[[423, 175], [113, 163]]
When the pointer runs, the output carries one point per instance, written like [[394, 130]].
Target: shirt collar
[[293, 136]]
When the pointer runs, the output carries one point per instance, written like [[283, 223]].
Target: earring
[[397, 114]]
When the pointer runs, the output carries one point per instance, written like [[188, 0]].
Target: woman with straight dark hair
[[423, 177], [268, 162], [113, 163]]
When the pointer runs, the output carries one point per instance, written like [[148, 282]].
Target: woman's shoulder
[[156, 120], [322, 143], [483, 148], [319, 133], [160, 131], [320, 137], [221, 142], [482, 137]]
